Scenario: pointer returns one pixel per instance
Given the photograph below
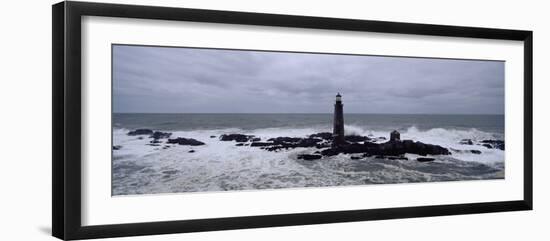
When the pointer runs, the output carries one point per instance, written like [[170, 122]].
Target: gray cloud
[[186, 80]]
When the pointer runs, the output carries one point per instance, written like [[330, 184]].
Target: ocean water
[[139, 168]]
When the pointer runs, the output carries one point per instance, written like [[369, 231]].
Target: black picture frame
[[66, 159]]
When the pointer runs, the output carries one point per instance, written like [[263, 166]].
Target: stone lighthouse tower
[[338, 131]]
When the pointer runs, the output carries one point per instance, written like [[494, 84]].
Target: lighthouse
[[338, 131]]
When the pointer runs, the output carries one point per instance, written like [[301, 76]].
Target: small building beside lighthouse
[[338, 128], [395, 136]]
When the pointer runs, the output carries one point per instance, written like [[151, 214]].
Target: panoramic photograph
[[209, 120]]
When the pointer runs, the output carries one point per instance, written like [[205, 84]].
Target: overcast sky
[[185, 80]]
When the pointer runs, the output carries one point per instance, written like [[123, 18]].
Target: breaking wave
[[139, 168]]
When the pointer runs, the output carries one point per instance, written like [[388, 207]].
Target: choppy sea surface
[[139, 168]]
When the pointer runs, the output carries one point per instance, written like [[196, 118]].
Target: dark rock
[[212, 136], [391, 157], [466, 142], [323, 135], [425, 159], [140, 138], [366, 155], [390, 148], [322, 145], [262, 144], [308, 142], [185, 141], [235, 137], [191, 151], [356, 138], [348, 149], [498, 144], [153, 144], [117, 147], [239, 144], [397, 158], [488, 146], [140, 132], [309, 157], [282, 140], [493, 141], [466, 151], [393, 150], [395, 136], [155, 141], [287, 143], [271, 148], [424, 149], [160, 135]]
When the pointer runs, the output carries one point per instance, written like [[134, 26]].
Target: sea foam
[[140, 168]]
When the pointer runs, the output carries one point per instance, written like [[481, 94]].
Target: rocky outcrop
[[278, 143], [425, 159], [323, 135], [496, 144], [309, 157], [390, 148], [356, 138], [160, 135], [308, 142], [236, 137], [255, 144], [185, 141], [140, 132], [354, 144], [392, 157], [283, 140], [319, 140], [489, 144], [473, 151]]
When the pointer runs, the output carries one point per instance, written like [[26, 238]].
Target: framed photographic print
[[169, 120]]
